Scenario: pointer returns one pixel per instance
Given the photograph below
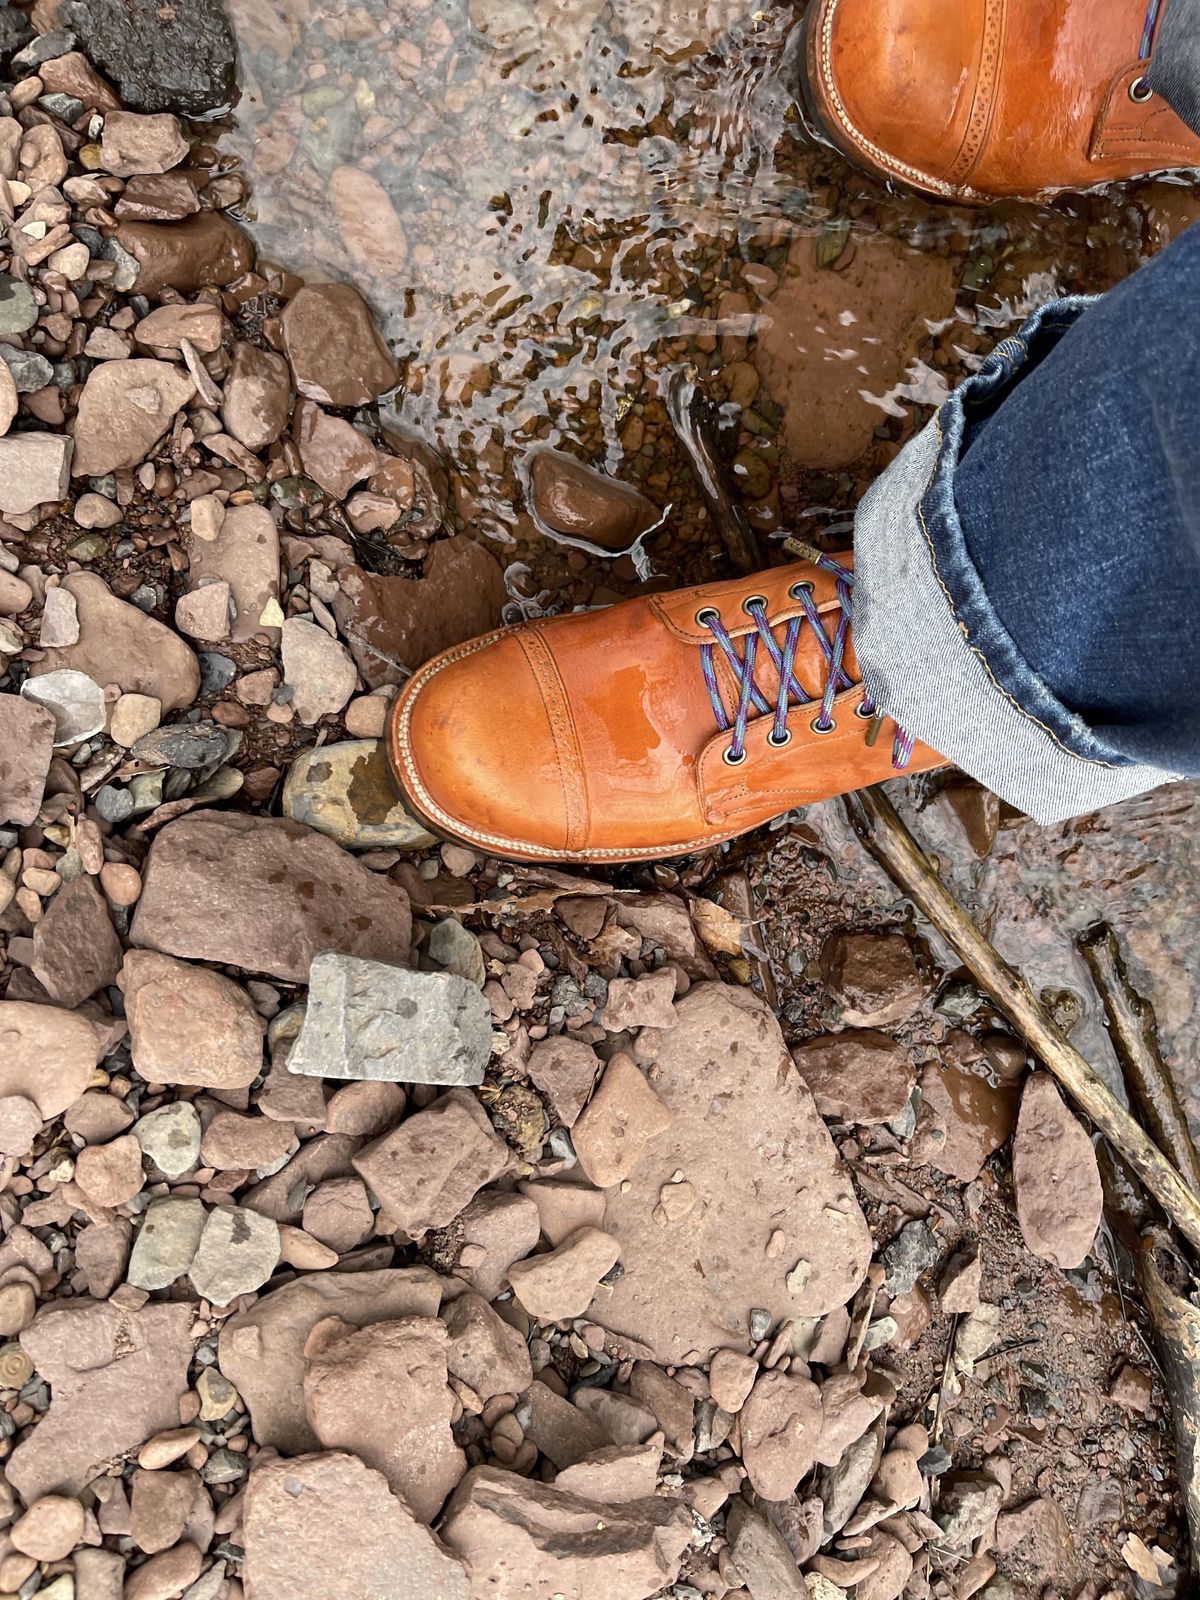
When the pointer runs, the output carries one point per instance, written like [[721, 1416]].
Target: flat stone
[[746, 1135], [564, 1069], [116, 1377], [9, 401], [204, 614], [368, 222], [266, 895], [258, 396], [261, 1351], [170, 1138], [963, 1120], [122, 645], [18, 308], [335, 351], [237, 1253], [564, 1208], [75, 701], [366, 1019], [959, 1285], [454, 948], [858, 1076], [780, 1426], [520, 1532], [46, 1054], [328, 1524], [125, 409], [622, 1119], [872, 977], [1060, 1199], [244, 553], [110, 1174], [166, 1242], [35, 469], [134, 144], [60, 620], [485, 1351], [383, 1389], [20, 1124], [562, 1432], [318, 670], [390, 620], [645, 1002], [252, 1143], [498, 1229], [620, 1472], [967, 1508], [26, 750], [338, 1215], [574, 499], [75, 946], [426, 1171], [563, 1282], [206, 249], [189, 1025], [762, 1557], [334, 453], [167, 327]]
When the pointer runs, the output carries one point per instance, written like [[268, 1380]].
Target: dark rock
[[857, 1076], [162, 58], [872, 976], [15, 31], [75, 947], [579, 502], [912, 1252], [205, 249]]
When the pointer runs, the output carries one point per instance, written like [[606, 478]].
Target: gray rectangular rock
[[367, 1019]]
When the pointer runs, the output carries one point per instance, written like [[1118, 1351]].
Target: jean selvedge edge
[[956, 572]]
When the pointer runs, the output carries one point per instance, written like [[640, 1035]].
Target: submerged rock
[[344, 790], [1056, 1177], [574, 499], [366, 1019]]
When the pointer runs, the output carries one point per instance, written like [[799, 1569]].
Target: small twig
[[893, 846]]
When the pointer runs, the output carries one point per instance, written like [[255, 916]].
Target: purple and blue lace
[[750, 697]]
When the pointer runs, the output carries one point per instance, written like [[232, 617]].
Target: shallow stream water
[[549, 206]]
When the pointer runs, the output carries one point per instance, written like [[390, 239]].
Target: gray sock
[[1175, 68]]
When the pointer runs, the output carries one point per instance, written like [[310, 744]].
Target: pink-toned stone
[[368, 222], [382, 1391], [339, 1214], [334, 453], [622, 1119], [189, 1025], [294, 1528], [244, 553], [26, 748], [249, 1143], [858, 1076], [780, 1426], [428, 1169], [484, 1350], [1056, 1177], [46, 1054], [564, 1208], [204, 613], [165, 1576], [731, 1377], [110, 1174], [563, 1283], [258, 396], [336, 353], [564, 1069], [124, 410], [201, 325], [20, 1124], [497, 1229], [161, 1504], [135, 144], [644, 1002], [50, 1529], [75, 946], [366, 1109]]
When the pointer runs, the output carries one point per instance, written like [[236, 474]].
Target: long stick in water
[[875, 820], [691, 414]]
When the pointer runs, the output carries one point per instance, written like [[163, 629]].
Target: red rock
[[204, 613], [46, 1054], [672, 1405], [165, 1576], [1043, 1535], [75, 947], [762, 1557], [102, 1255], [161, 1504], [116, 1377], [621, 1472], [563, 1283], [1132, 1388], [189, 1025], [563, 1208], [165, 197], [562, 1432], [125, 409], [898, 1481], [134, 144], [858, 1076], [261, 1351], [368, 222], [484, 1351], [323, 1525], [963, 1120], [499, 1229], [644, 1002], [244, 553], [623, 1118], [334, 453], [731, 1377], [234, 1141], [119, 644], [426, 1170], [1056, 1177], [624, 1419], [893, 1568], [74, 75], [339, 1214], [281, 1196], [958, 1289], [574, 499], [206, 249], [780, 1427], [34, 469], [383, 1391], [20, 1124], [366, 1109], [522, 1533], [201, 325], [266, 895], [389, 620], [50, 1529], [258, 396], [110, 1174], [746, 1135], [850, 1403], [26, 748], [336, 353], [872, 976]]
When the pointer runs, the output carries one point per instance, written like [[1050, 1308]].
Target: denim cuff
[[932, 650]]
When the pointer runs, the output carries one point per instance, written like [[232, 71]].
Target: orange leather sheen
[[591, 737], [977, 99]]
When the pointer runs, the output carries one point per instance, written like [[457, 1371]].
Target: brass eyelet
[[817, 726], [753, 600], [1140, 91], [730, 760], [707, 614], [778, 744]]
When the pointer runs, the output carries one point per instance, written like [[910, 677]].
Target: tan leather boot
[[979, 99], [653, 728]]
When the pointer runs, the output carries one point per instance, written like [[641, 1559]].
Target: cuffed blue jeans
[[1029, 565]]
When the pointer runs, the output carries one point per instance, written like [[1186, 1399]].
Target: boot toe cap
[[471, 743]]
